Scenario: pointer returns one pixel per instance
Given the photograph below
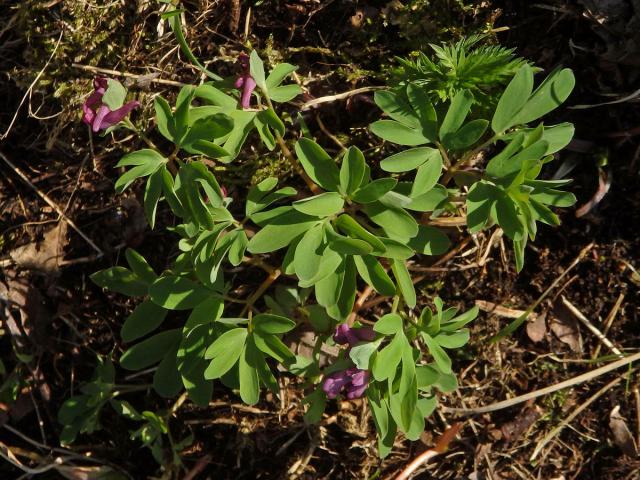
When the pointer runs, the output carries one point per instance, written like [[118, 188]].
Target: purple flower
[[346, 335], [98, 115], [245, 81], [354, 380]]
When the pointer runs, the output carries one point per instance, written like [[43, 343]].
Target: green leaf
[[397, 108], [167, 381], [551, 93], [256, 68], [427, 175], [151, 350], [164, 118], [405, 284], [513, 99], [323, 205], [281, 231], [361, 353], [429, 201], [238, 248], [318, 164], [216, 97], [374, 274], [387, 360], [396, 132], [373, 191], [144, 319], [420, 102], [181, 115], [557, 198], [178, 293], [408, 159], [152, 194], [115, 94], [350, 246], [394, 249], [224, 352], [121, 280], [347, 225], [453, 339], [284, 93], [456, 114], [145, 162], [243, 123], [439, 355], [308, 254], [273, 346], [317, 402], [352, 170], [480, 201], [249, 382], [430, 241], [508, 219], [501, 166], [139, 266], [397, 223], [467, 136], [388, 324], [272, 324], [347, 296], [278, 74]]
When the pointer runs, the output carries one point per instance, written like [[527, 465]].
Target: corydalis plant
[[352, 222], [482, 70]]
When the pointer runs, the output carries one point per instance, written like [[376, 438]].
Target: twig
[[200, 465], [292, 160], [590, 326], [613, 102], [513, 326], [147, 77], [545, 391], [33, 84], [338, 96], [326, 131], [608, 322], [273, 276], [574, 414], [441, 446], [52, 204]]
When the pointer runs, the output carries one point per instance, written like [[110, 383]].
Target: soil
[[67, 320]]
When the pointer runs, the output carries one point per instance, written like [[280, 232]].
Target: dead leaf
[[513, 430], [26, 314], [537, 329], [622, 436], [89, 473], [44, 255], [564, 325]]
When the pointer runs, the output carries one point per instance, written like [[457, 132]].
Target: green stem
[[287, 153]]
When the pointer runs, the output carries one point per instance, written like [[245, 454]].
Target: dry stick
[[52, 204], [33, 84], [574, 414], [608, 322], [147, 77], [516, 323], [441, 446], [545, 391], [273, 276], [590, 326], [338, 96]]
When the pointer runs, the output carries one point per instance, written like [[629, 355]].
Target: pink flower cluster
[[98, 115], [245, 81], [353, 380]]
